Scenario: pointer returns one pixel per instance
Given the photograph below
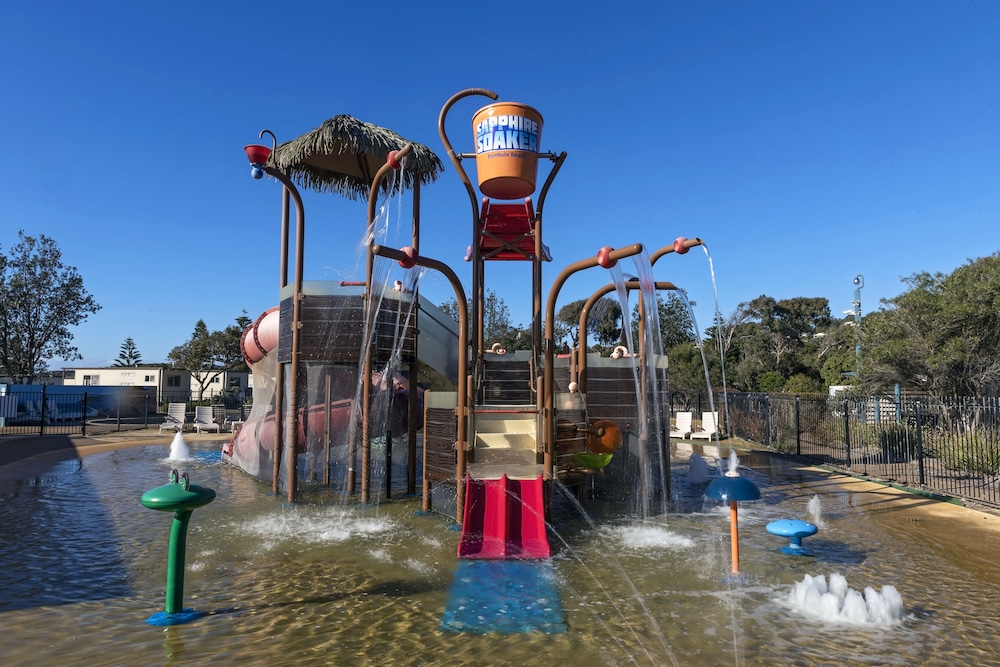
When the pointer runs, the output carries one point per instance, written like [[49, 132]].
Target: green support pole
[[175, 562], [182, 498]]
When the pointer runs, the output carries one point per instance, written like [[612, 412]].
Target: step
[[503, 424], [504, 458], [505, 441]]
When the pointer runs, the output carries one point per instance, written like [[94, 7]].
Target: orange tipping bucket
[[507, 140]]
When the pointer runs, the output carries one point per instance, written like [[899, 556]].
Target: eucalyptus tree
[[209, 354], [40, 299], [941, 336]]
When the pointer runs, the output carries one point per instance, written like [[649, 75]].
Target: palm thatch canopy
[[343, 154]]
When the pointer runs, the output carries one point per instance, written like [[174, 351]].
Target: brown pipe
[[688, 243], [477, 265], [366, 380], [536, 265], [548, 427], [463, 360], [585, 315], [455, 159], [581, 362], [412, 407], [300, 233]]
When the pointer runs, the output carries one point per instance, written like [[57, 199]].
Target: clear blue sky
[[805, 142]]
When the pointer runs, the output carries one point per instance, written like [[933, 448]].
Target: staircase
[[505, 443]]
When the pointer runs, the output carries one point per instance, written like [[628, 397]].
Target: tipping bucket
[[507, 139]]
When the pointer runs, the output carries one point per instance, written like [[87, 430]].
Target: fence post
[[798, 426], [920, 446], [41, 414], [767, 421], [847, 433], [83, 416]]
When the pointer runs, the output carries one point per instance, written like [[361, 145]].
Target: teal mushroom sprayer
[[182, 498]]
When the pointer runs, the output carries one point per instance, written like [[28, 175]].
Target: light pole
[[859, 282]]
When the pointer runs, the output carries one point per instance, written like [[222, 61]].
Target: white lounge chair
[[204, 419], [682, 425], [709, 426], [176, 416]]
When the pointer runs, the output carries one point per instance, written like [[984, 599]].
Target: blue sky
[[805, 142]]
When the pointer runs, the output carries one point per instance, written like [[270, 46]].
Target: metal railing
[[947, 446], [87, 413]]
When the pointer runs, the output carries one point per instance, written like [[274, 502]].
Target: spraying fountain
[[179, 450], [734, 489]]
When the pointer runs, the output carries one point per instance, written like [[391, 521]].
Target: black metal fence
[[84, 413], [947, 446]]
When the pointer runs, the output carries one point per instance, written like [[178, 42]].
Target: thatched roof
[[343, 154]]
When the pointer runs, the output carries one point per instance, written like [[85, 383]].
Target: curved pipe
[[300, 233], [455, 160], [602, 257], [463, 361], [558, 163], [391, 162], [581, 371], [477, 268], [686, 244]]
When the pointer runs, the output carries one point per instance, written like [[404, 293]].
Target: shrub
[[897, 442], [975, 455], [770, 382]]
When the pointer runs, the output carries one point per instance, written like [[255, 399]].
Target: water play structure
[[585, 533], [365, 391], [368, 362]]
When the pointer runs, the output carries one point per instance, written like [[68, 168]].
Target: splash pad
[[355, 564], [373, 583]]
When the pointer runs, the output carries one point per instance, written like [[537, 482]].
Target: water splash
[[704, 360], [839, 603], [718, 333], [651, 428], [697, 470], [618, 278], [380, 232], [615, 565], [815, 508], [734, 464], [179, 450]]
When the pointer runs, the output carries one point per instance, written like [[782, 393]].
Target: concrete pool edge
[[27, 457]]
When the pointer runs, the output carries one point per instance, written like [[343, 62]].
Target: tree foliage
[[941, 336], [128, 354], [497, 325], [675, 322], [603, 321], [209, 354], [40, 299]]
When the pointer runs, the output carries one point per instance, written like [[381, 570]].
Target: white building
[[172, 385]]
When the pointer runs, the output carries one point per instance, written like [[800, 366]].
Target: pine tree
[[129, 355]]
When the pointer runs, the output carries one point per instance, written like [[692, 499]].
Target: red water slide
[[504, 519]]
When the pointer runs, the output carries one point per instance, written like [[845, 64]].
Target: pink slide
[[504, 519]]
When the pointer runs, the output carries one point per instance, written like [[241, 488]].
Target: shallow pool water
[[83, 565]]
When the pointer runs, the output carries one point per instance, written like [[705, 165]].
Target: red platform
[[508, 232]]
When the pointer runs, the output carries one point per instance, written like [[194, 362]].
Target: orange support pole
[[735, 536]]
